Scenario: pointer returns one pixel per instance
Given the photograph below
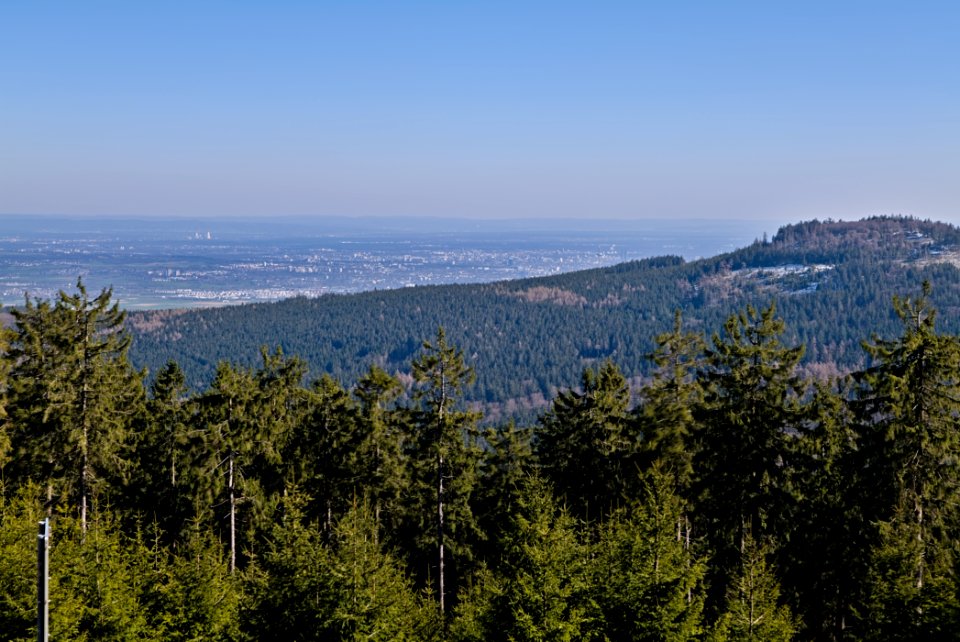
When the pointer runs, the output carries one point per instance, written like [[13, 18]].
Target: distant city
[[191, 263]]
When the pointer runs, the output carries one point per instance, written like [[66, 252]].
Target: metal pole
[[43, 573]]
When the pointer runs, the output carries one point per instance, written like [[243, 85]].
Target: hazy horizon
[[534, 110]]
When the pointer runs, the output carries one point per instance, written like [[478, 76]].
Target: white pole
[[43, 574]]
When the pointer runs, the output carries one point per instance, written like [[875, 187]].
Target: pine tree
[[744, 452], [245, 418], [379, 458], [667, 404], [646, 581], [541, 591], [74, 396], [445, 454], [908, 404], [585, 441], [753, 609]]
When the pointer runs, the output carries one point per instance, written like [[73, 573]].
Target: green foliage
[[99, 578], [822, 548], [529, 338], [665, 413], [18, 563], [245, 418], [908, 407], [753, 610], [586, 444], [542, 588], [73, 397], [195, 597], [604, 521], [444, 456], [5, 426], [506, 463], [321, 456], [647, 582], [899, 605], [745, 451], [378, 459], [164, 480], [349, 589]]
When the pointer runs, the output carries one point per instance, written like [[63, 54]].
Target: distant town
[[176, 264]]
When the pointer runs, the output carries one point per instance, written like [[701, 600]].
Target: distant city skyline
[[608, 110]]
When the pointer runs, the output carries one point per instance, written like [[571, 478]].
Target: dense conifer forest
[[729, 496], [527, 340]]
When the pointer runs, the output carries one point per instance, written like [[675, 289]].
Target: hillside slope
[[832, 282]]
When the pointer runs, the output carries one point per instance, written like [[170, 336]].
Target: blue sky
[[767, 110]]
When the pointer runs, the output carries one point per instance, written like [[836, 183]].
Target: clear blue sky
[[768, 110]]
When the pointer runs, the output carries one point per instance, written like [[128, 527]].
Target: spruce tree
[[908, 404], [540, 589], [74, 397], [321, 456], [646, 581], [245, 419], [164, 479], [6, 336], [745, 446], [585, 443], [753, 608], [379, 459], [445, 457], [667, 404]]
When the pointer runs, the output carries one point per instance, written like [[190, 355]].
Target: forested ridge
[[731, 496], [527, 339]]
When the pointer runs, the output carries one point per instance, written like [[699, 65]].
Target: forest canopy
[[730, 496]]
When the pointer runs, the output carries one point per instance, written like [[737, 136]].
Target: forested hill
[[832, 282]]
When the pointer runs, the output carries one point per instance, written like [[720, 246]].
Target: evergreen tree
[[542, 588], [349, 589], [195, 596], [666, 414], [445, 456], [74, 396], [375, 600], [246, 418], [99, 579], [164, 479], [379, 459], [908, 405], [291, 590], [5, 427], [646, 582], [824, 548], [321, 458], [666, 409], [19, 514], [895, 606], [506, 463], [744, 454], [585, 441], [753, 609]]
